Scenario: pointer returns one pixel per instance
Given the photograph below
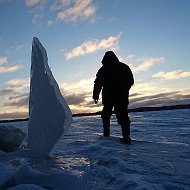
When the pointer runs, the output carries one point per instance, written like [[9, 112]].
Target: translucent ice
[[49, 114]]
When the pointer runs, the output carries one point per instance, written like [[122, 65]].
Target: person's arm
[[97, 86], [130, 78]]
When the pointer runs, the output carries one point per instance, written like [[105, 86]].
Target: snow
[[158, 158], [6, 174], [26, 187], [26, 175], [49, 114]]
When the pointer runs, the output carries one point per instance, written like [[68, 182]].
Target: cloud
[[177, 74], [129, 57], [76, 98], [6, 92], [160, 99], [72, 10], [36, 9], [20, 101], [37, 19], [13, 115], [147, 64], [79, 96], [9, 69], [147, 88], [91, 46], [15, 93], [18, 84], [3, 60], [15, 49], [84, 85], [32, 3], [50, 22], [149, 94], [14, 99], [6, 69], [79, 92], [65, 10]]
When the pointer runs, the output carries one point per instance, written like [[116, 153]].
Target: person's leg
[[106, 114], [121, 112]]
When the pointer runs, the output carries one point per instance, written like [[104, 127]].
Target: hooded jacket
[[115, 79]]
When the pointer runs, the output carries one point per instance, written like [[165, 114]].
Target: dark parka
[[114, 79]]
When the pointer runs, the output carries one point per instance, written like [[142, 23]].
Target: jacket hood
[[109, 57]]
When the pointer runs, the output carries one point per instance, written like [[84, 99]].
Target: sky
[[151, 36]]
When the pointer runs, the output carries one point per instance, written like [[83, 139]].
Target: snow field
[[158, 158]]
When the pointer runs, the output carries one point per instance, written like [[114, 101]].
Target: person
[[115, 79]]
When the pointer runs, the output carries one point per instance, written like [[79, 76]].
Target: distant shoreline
[[141, 109]]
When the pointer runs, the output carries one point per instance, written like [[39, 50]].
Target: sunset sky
[[151, 36]]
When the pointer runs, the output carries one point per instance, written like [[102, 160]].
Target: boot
[[106, 132], [106, 127], [126, 135]]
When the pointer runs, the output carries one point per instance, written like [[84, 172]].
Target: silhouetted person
[[115, 80]]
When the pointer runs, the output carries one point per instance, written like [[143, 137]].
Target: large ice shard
[[49, 114]]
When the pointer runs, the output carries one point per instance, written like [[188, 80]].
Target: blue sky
[[151, 36]]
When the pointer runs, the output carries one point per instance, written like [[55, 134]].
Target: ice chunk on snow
[[49, 114], [60, 180], [6, 174], [11, 138]]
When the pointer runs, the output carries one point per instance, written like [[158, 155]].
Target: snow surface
[[49, 114], [158, 158], [26, 187]]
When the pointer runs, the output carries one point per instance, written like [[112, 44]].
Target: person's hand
[[96, 101]]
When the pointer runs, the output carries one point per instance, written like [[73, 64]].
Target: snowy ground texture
[[158, 158]]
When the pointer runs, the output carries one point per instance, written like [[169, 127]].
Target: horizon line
[[139, 109]]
